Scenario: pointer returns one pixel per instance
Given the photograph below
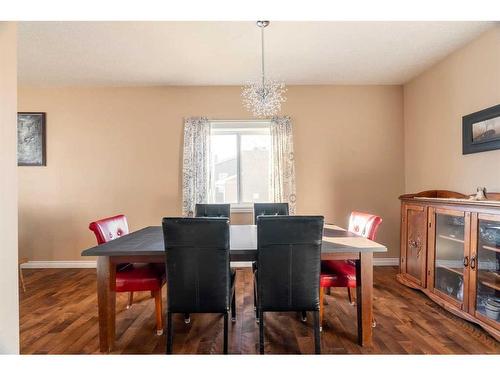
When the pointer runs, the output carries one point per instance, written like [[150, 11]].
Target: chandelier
[[263, 98]]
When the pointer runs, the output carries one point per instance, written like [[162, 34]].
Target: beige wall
[[434, 103], [9, 307], [113, 150]]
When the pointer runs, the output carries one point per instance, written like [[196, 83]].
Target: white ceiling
[[228, 53]]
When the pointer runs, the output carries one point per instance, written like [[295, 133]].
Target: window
[[240, 162]]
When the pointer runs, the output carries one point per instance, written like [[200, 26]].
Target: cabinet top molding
[[447, 196]]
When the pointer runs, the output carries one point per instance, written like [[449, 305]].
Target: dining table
[[147, 246]]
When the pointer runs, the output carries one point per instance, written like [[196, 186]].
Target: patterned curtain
[[283, 173], [196, 164]]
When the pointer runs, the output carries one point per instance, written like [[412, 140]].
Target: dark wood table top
[[149, 242]]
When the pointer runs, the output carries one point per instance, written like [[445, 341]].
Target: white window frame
[[239, 127]]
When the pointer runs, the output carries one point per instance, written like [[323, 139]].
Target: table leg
[[106, 299], [364, 296]]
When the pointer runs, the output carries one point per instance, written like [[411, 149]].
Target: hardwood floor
[[59, 315]]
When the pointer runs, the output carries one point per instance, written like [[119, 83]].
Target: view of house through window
[[240, 162]]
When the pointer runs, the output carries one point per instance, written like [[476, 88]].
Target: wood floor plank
[[58, 315]]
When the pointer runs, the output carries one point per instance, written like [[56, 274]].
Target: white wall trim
[[379, 262], [92, 263], [241, 264]]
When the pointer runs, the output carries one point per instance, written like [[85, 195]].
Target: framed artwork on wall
[[31, 142], [481, 131]]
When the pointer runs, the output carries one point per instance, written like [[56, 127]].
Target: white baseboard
[[92, 263], [241, 264], [379, 262], [60, 264]]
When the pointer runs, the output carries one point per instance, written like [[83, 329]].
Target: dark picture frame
[[481, 131], [31, 139]]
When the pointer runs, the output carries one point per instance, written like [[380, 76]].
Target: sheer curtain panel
[[196, 164], [283, 171]]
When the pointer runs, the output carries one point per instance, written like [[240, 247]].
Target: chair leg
[[226, 329], [261, 332], [351, 301], [321, 306], [255, 301], [255, 296], [317, 338], [187, 318], [233, 307], [303, 316], [170, 332], [131, 299], [21, 277], [159, 312]]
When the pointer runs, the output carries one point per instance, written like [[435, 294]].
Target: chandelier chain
[[262, 53]]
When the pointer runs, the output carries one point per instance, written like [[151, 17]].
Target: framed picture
[[31, 139], [481, 131]]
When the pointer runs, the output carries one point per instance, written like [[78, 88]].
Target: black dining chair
[[199, 278], [269, 209], [212, 210], [289, 258]]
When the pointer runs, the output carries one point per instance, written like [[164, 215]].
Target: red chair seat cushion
[[337, 274], [140, 277]]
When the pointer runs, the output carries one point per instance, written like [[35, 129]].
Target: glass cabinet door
[[450, 261], [487, 268]]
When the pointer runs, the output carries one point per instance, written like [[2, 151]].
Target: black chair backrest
[[197, 262], [289, 262], [269, 209], [213, 210]]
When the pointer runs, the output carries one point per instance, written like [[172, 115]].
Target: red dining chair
[[342, 273], [136, 277]]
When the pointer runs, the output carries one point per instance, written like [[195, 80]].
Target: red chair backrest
[[109, 228], [364, 224]]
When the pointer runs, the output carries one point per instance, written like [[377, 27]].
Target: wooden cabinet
[[450, 250]]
